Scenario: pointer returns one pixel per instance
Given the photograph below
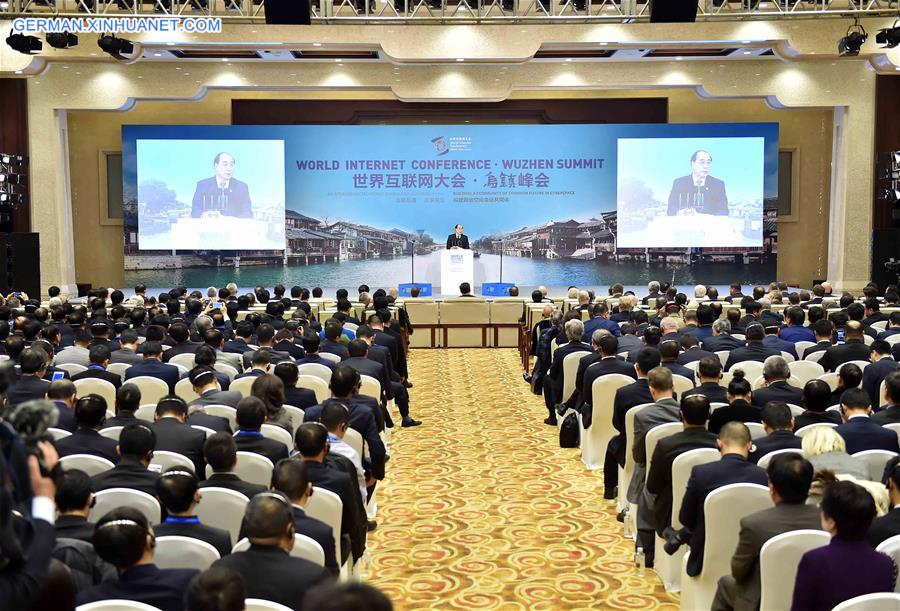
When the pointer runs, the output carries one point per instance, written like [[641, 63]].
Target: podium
[[457, 266]]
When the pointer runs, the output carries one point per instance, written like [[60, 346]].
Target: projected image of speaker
[[671, 11], [287, 12]]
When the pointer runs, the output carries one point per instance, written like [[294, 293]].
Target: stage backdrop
[[342, 205]]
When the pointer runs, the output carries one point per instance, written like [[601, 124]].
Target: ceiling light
[[24, 44], [338, 60], [747, 52], [115, 46], [157, 55], [889, 37], [460, 59], [679, 58], [317, 44], [61, 40], [849, 45], [568, 59]]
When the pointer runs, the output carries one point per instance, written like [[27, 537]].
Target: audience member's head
[[216, 589], [347, 596], [790, 476], [220, 452], [251, 413], [734, 438], [816, 396], [695, 410], [269, 522], [123, 537], [90, 412], [74, 492], [776, 416], [177, 490], [847, 510]]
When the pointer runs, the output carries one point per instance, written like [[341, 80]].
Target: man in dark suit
[[135, 450], [816, 401], [790, 476], [882, 365], [698, 191], [90, 414], [311, 342], [391, 339], [458, 239], [690, 345], [265, 337], [284, 342], [771, 340], [204, 384], [652, 293], [178, 493], [268, 570], [626, 397], [64, 396], [297, 397], [795, 331], [99, 356], [600, 320], [332, 341], [778, 423], [222, 193], [776, 374], [575, 399], [30, 384], [182, 336], [240, 343], [721, 338], [668, 351], [853, 348], [882, 528], [74, 498], [891, 410], [553, 381], [127, 353], [220, 452], [823, 330], [251, 414], [128, 400], [733, 468], [710, 373], [358, 350], [292, 479], [859, 431], [173, 434], [754, 350], [734, 293], [153, 366], [260, 361]]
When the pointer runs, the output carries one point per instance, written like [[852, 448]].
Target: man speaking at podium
[[698, 192], [221, 193], [458, 239]]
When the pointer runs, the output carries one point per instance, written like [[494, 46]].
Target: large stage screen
[[566, 204]]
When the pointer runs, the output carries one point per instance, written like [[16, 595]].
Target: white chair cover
[[891, 547], [167, 460], [595, 439], [764, 461], [316, 370], [254, 468], [273, 431], [97, 386], [113, 498], [871, 602], [174, 552], [778, 562], [318, 385], [152, 389], [304, 547], [222, 508], [90, 464], [806, 370]]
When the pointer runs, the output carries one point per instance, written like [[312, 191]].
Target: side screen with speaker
[[668, 11], [287, 12], [20, 268]]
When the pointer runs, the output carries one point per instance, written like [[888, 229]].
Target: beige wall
[[803, 238]]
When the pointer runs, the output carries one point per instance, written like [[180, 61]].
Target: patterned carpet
[[481, 509]]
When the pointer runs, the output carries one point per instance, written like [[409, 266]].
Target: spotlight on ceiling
[[24, 44], [62, 40], [117, 47], [849, 45], [889, 37]]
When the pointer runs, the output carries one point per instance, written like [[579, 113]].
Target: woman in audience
[[270, 389], [849, 376], [739, 407], [825, 449], [816, 400], [847, 566]]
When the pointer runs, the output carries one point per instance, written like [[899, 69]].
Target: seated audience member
[[265, 338], [880, 370], [90, 414], [269, 389], [64, 396], [206, 357], [733, 468], [606, 362], [215, 339], [739, 407], [341, 596], [882, 528], [626, 398], [183, 344], [251, 414], [553, 381], [291, 479], [823, 330], [778, 423], [128, 351], [827, 451], [128, 400], [771, 340], [30, 384], [709, 370], [216, 589], [174, 434], [754, 350], [123, 538], [239, 344], [335, 417], [99, 357], [776, 374], [74, 499], [284, 342], [790, 476], [311, 441], [848, 566], [668, 352], [794, 331], [330, 339], [893, 326], [178, 493], [311, 342], [136, 443], [815, 403], [268, 569], [259, 364], [859, 431], [77, 354], [849, 376], [691, 350], [600, 320], [853, 348], [204, 384], [220, 452], [721, 339], [574, 400], [296, 397], [153, 366]]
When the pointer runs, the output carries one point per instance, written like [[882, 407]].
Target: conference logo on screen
[[440, 145]]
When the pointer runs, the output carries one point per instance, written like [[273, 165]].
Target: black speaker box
[[666, 11], [20, 263], [287, 12]]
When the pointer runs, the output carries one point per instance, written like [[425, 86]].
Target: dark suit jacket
[[218, 538], [889, 415], [756, 529], [754, 351], [773, 341], [74, 527], [235, 346], [363, 421], [315, 358], [679, 370], [231, 201], [153, 368], [717, 343], [187, 347], [123, 418], [556, 366], [882, 528], [299, 397], [708, 199], [161, 588], [738, 410], [248, 441], [99, 374], [320, 532], [229, 398], [730, 469], [291, 348], [659, 477], [232, 482], [594, 371], [777, 440], [26, 388], [778, 391], [277, 357], [216, 423], [87, 441], [819, 347], [713, 391], [694, 354], [337, 348], [462, 241], [862, 433], [66, 417], [342, 485], [808, 417], [174, 436], [370, 368], [126, 474], [853, 350], [874, 375], [125, 355], [626, 397], [271, 574]]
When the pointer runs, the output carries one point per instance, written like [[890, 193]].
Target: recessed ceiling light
[[679, 58], [568, 59], [178, 67], [604, 43], [745, 42], [157, 55], [746, 52], [20, 72], [171, 44], [460, 59], [338, 60], [317, 44], [224, 59]]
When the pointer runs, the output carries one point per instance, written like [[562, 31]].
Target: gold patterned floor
[[481, 509]]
